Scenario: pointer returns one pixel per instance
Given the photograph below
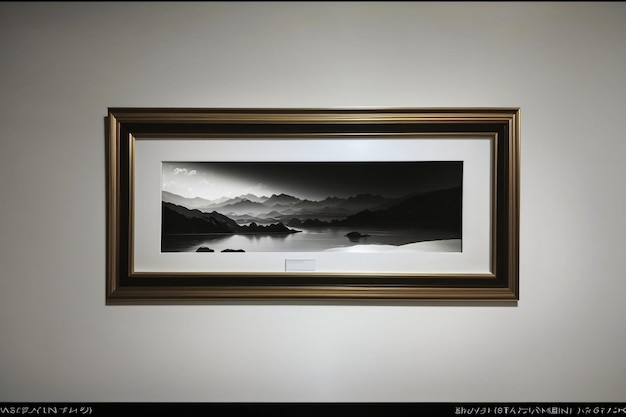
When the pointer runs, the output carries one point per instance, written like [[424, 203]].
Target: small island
[[356, 236], [204, 249]]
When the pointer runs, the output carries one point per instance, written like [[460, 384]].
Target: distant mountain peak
[[282, 197], [189, 202], [363, 196]]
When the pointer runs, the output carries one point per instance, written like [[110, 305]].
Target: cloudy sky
[[310, 180]]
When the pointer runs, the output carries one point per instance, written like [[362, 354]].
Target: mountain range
[[280, 207], [248, 213], [180, 220]]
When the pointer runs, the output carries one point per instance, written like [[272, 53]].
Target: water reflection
[[308, 240]]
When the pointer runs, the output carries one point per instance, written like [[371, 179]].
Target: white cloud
[[184, 171]]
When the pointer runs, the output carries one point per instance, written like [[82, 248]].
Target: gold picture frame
[[147, 147]]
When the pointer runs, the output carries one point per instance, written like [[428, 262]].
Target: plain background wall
[[63, 64]]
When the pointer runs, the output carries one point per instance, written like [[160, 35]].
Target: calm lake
[[308, 240]]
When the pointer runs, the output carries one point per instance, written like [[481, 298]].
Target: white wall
[[64, 64]]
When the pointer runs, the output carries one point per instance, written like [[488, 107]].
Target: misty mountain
[[196, 202], [351, 204], [180, 220], [280, 205], [332, 201], [243, 206], [177, 219], [273, 213], [254, 198], [281, 200], [442, 208], [206, 204]]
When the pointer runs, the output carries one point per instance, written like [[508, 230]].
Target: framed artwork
[[346, 203]]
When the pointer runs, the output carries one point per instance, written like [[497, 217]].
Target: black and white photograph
[[312, 206]]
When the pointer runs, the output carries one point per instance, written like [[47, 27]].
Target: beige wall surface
[[64, 64]]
